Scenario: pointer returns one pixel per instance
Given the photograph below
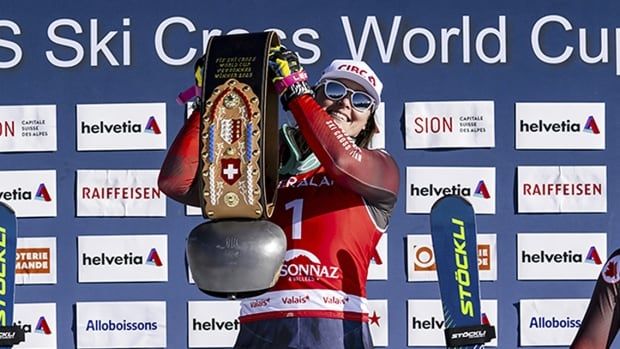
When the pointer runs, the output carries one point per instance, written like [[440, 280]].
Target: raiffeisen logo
[[19, 194], [593, 257], [152, 126], [153, 258], [42, 327], [591, 126], [482, 191]]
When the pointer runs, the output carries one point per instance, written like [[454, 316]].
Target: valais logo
[[42, 327], [482, 191], [593, 257], [43, 194], [591, 126], [152, 126], [153, 258]]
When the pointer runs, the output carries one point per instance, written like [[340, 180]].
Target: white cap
[[356, 71]]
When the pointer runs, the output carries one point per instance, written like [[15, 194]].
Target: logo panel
[[570, 256], [560, 125], [421, 258], [122, 126], [550, 322], [427, 184], [36, 261], [118, 193], [121, 324], [212, 324], [29, 193], [27, 128], [39, 323], [562, 189], [116, 258], [456, 124], [378, 322], [425, 321], [378, 269]]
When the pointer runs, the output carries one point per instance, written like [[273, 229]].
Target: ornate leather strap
[[239, 130]]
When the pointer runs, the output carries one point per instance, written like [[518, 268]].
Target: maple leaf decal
[[611, 270]]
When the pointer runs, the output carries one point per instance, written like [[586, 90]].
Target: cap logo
[[358, 71]]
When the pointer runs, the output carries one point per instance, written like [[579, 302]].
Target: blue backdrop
[[148, 77]]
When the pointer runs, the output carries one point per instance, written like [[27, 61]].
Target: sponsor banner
[[193, 211], [378, 322], [574, 256], [25, 128], [36, 261], [456, 124], [560, 125], [119, 193], [39, 322], [123, 126], [121, 324], [425, 322], [378, 269], [130, 258], [421, 258], [29, 193], [552, 322], [212, 324], [378, 139], [562, 189], [427, 184]]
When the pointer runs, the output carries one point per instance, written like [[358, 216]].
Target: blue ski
[[9, 333], [453, 230]]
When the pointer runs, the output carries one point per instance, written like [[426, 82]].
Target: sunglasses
[[335, 90]]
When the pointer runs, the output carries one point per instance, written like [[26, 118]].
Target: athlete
[[334, 200], [602, 319]]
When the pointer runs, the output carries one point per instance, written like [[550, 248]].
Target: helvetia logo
[[544, 322], [19, 194], [482, 191], [126, 259], [544, 257], [593, 257], [591, 126], [42, 327], [153, 258], [152, 126], [102, 127], [43, 194]]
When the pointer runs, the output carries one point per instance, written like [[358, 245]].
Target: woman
[[334, 200], [601, 322]]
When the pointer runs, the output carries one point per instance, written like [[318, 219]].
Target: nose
[[346, 100]]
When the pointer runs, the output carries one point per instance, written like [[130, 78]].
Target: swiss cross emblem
[[230, 130], [230, 170]]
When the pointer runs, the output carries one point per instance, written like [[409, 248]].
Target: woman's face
[[350, 120]]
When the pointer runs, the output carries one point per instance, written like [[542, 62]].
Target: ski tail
[[9, 333], [453, 231]]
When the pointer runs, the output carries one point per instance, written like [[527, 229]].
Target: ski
[[453, 231], [10, 334]]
